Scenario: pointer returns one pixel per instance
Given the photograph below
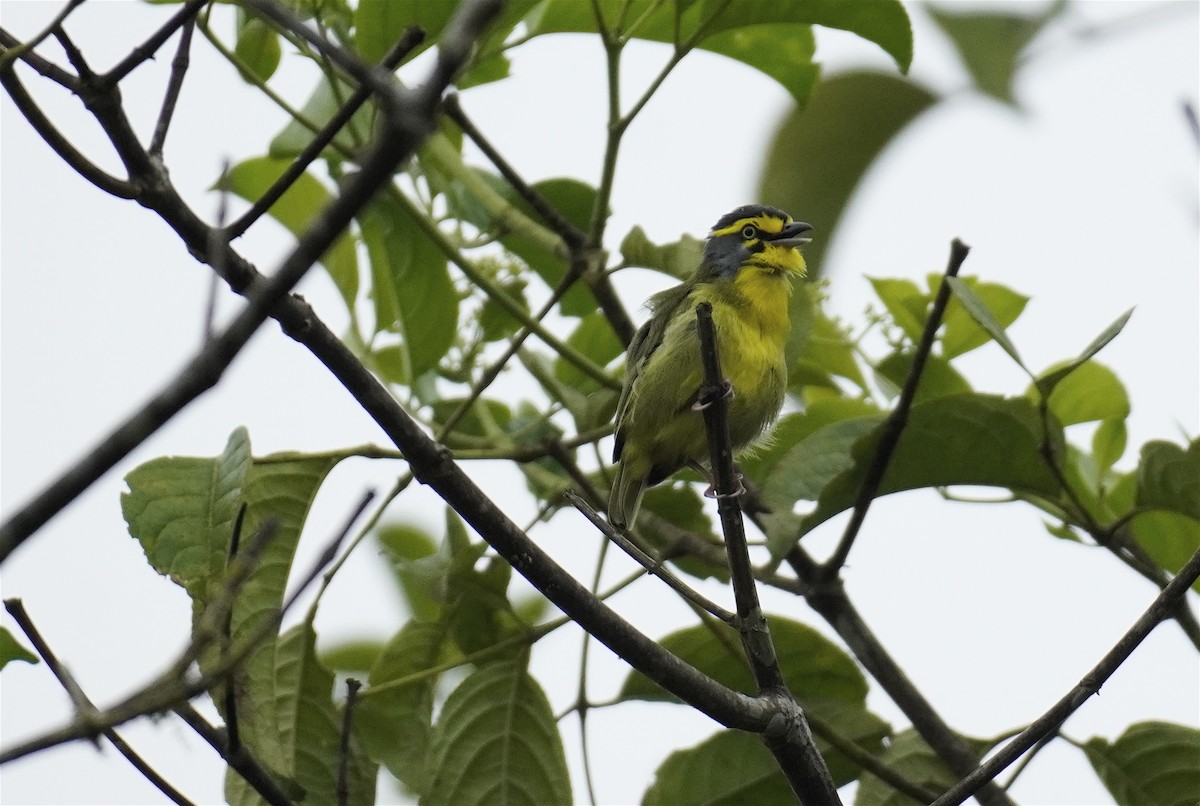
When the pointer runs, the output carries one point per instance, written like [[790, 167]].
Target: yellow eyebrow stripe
[[766, 223]]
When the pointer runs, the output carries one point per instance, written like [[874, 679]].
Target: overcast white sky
[[1087, 202]]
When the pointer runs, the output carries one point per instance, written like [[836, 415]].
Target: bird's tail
[[625, 498]]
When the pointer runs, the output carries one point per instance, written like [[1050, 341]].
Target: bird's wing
[[647, 339]]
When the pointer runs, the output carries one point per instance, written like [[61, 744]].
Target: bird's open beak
[[792, 235]]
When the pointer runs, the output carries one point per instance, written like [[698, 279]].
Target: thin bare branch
[[412, 37], [60, 144], [179, 66], [1090, 684], [186, 13], [84, 706], [893, 427], [652, 566]]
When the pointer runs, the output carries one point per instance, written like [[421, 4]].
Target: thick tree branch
[[790, 740]]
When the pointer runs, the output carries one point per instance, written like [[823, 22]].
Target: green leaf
[[257, 45], [295, 210], [485, 419], [849, 121], [796, 427], [774, 38], [814, 667], [182, 511], [959, 439], [308, 731], [1168, 537], [379, 24], [354, 657], [783, 52], [729, 769], [828, 349], [1091, 392], [938, 378], [405, 545], [682, 507], [11, 650], [911, 757], [678, 259], [1108, 442], [905, 301], [496, 741], [983, 316], [324, 102], [411, 286], [1168, 478], [1049, 380], [595, 339], [962, 333], [575, 201], [1151, 764], [991, 44], [396, 721]]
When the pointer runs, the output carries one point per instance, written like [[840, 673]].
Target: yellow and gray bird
[[750, 259]]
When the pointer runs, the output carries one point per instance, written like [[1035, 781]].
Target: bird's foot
[[711, 492], [704, 401]]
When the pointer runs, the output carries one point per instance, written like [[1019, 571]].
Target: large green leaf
[[905, 301], [574, 200], [728, 769], [405, 544], [825, 352], [326, 99], [378, 24], [679, 259], [595, 339], [308, 733], [1168, 537], [682, 508], [1091, 392], [938, 377], [958, 439], [1168, 478], [825, 680], [819, 154], [182, 511], [1151, 764], [962, 333], [257, 45], [774, 38], [991, 44], [911, 757], [496, 741], [411, 287], [396, 721], [814, 667], [295, 210], [992, 322]]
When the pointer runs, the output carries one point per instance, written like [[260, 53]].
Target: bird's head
[[755, 235]]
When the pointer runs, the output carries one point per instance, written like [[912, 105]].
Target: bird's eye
[[749, 232]]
